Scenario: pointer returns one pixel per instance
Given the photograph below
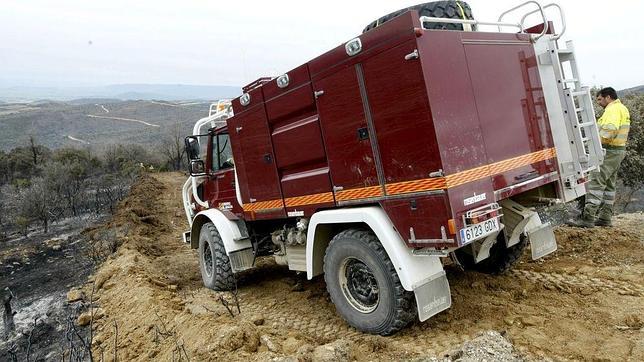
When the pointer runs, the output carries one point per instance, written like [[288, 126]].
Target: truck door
[[347, 136], [220, 188]]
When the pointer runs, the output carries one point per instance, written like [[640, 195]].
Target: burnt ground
[[38, 271], [584, 302]]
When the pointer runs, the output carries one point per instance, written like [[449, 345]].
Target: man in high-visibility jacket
[[613, 127]]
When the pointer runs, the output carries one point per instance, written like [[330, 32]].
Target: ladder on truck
[[571, 114]]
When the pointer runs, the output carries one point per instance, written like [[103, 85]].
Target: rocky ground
[[586, 301]]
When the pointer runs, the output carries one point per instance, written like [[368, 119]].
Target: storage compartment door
[[347, 137], [262, 195]]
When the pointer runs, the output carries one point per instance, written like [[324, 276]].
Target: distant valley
[[96, 122]]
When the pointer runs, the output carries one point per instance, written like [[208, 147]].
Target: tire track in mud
[[571, 283], [328, 328]]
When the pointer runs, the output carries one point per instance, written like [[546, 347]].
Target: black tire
[[214, 264], [501, 257], [439, 9], [364, 286]]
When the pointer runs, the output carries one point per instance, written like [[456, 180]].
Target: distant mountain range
[[167, 92]]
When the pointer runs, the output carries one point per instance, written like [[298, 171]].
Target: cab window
[[222, 155]]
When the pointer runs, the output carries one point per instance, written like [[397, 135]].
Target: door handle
[[268, 158]]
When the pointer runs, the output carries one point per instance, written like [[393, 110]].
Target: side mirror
[[197, 168], [192, 148]]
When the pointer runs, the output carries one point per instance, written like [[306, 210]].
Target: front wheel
[[214, 264], [364, 286]]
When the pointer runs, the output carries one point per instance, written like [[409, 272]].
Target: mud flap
[[433, 296], [542, 241], [241, 259]]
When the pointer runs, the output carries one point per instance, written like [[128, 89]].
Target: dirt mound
[[583, 302]]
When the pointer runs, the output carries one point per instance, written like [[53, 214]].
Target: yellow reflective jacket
[[614, 125]]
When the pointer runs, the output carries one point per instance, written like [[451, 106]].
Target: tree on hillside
[[40, 202], [74, 168], [173, 148], [4, 168], [3, 213], [37, 151]]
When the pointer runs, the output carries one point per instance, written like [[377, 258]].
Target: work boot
[[580, 223], [604, 222]]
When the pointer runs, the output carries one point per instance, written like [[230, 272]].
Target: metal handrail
[[540, 9], [499, 23], [561, 16], [431, 19]]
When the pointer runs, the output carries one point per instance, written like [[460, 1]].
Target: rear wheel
[[501, 257], [214, 264], [364, 286], [437, 9]]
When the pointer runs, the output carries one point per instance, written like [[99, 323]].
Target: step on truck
[[432, 138]]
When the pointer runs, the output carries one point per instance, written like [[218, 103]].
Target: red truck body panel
[[416, 135]]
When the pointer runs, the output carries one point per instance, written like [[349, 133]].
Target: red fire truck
[[423, 139]]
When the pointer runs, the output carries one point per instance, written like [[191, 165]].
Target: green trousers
[[600, 191]]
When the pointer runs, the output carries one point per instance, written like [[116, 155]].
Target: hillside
[[633, 90], [83, 122]]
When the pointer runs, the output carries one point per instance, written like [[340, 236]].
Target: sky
[[100, 42]]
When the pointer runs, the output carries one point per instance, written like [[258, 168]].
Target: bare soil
[[585, 302]]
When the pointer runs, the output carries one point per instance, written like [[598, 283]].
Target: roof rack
[[499, 23]]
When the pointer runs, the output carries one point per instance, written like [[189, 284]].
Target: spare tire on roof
[[438, 9]]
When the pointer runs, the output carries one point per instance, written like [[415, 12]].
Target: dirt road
[[584, 302]]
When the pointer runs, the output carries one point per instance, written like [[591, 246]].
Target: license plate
[[480, 230]]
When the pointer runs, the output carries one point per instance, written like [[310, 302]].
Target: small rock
[[477, 284], [75, 295], [99, 313], [56, 247], [291, 345], [332, 352], [103, 276], [531, 321], [172, 287], [257, 320], [266, 341], [84, 319], [508, 320], [304, 353]]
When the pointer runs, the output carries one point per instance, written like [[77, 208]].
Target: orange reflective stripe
[[264, 205], [309, 199], [421, 185], [428, 184], [360, 193]]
